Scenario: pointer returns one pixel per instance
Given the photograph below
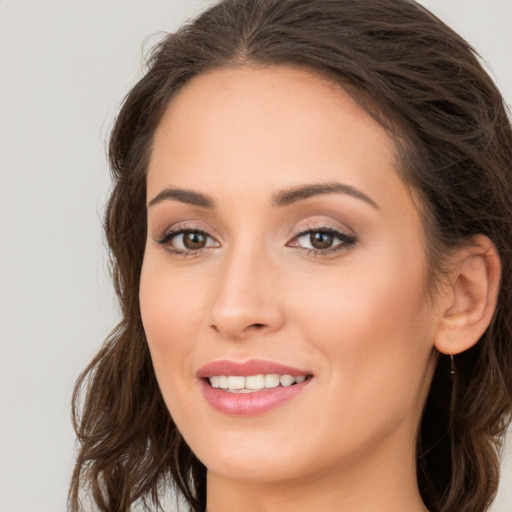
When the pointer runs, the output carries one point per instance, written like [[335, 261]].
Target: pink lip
[[252, 367], [248, 404]]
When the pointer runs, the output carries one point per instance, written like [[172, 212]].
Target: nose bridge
[[244, 300]]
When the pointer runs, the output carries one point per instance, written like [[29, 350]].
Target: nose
[[246, 299]]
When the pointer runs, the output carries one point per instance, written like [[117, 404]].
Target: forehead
[[247, 98], [249, 129]]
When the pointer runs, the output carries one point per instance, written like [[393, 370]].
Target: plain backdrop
[[64, 67]]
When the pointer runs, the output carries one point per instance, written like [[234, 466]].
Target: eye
[[322, 241], [187, 241]]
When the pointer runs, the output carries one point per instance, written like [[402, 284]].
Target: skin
[[359, 319]]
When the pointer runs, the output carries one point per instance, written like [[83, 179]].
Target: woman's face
[[284, 248]]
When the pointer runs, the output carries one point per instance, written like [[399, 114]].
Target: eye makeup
[[318, 240], [322, 240]]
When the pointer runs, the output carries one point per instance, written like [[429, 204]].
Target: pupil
[[321, 240], [194, 240]]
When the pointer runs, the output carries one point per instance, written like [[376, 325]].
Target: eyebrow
[[283, 198], [287, 197], [183, 196]]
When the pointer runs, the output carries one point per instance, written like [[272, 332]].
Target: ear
[[471, 296]]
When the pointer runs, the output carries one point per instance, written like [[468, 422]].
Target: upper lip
[[251, 367]]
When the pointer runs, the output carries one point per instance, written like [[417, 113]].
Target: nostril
[[259, 326]]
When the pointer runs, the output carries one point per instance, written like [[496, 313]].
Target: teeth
[[286, 380], [238, 384], [255, 382], [271, 380]]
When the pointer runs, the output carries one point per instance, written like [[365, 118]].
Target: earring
[[452, 366]]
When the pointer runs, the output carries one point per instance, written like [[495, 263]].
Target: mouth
[[254, 383], [251, 388]]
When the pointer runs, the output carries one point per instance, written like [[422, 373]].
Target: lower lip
[[249, 404]]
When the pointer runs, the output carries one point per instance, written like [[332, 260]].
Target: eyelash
[[346, 243], [172, 233]]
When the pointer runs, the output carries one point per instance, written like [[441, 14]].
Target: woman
[[311, 237]]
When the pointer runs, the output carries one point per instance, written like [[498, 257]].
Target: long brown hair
[[423, 83]]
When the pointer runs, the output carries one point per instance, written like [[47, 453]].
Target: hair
[[421, 81]]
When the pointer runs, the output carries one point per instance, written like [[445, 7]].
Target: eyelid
[[183, 226], [323, 226], [171, 234]]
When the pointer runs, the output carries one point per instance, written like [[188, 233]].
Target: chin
[[253, 466], [251, 454]]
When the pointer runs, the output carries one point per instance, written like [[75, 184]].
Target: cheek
[[377, 362], [372, 323], [373, 297], [170, 312]]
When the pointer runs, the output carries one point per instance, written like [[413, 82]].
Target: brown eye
[[321, 239], [187, 241], [194, 240]]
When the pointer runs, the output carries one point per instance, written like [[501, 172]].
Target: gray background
[[64, 67]]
